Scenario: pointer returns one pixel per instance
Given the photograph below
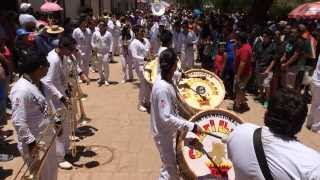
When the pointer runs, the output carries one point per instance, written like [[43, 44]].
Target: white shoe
[[65, 165], [123, 81], [106, 83], [74, 138], [142, 109]]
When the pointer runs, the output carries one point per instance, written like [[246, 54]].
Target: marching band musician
[[111, 29], [102, 43], [124, 41], [154, 39], [164, 118], [166, 42], [139, 50], [116, 35], [188, 40], [177, 37], [83, 36], [29, 97], [156, 31], [56, 79]]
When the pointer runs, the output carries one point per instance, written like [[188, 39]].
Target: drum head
[[151, 71], [203, 156], [201, 90]]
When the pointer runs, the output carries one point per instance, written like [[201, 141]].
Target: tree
[[259, 11]]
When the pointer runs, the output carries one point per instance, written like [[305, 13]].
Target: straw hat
[[54, 29]]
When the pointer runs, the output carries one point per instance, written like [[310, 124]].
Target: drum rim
[[192, 110], [181, 161]]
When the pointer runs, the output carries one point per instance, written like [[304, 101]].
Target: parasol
[[50, 7], [307, 10]]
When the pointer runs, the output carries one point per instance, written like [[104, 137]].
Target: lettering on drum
[[197, 147]]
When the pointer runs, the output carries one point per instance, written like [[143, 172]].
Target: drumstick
[[201, 148], [214, 163], [203, 97], [213, 135]]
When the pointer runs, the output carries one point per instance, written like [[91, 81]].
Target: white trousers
[[187, 59], [127, 64], [166, 148], [145, 87], [115, 48], [313, 120], [103, 66], [50, 166], [63, 141], [85, 61]]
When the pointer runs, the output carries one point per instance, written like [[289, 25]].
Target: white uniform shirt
[[164, 118], [188, 40], [154, 38], [29, 111], [102, 43], [83, 39], [56, 78], [117, 29], [286, 159], [138, 50], [110, 26], [316, 74]]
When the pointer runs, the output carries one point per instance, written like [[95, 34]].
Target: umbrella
[[307, 10], [50, 7]]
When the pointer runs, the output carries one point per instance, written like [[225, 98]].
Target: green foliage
[[280, 7]]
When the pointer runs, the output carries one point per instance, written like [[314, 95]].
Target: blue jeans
[[3, 100]]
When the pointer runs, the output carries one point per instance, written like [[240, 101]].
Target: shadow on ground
[[86, 131], [86, 154]]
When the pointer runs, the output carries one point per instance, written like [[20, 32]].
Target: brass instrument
[[36, 165], [78, 93], [158, 8]]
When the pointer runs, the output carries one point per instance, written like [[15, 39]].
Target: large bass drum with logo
[[202, 156], [199, 90]]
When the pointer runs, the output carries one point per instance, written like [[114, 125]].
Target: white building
[[72, 8]]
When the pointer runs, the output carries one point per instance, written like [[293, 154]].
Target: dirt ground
[[117, 144]]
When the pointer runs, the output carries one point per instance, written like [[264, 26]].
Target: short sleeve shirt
[[287, 159], [244, 54]]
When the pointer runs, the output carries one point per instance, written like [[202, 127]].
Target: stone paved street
[[118, 143]]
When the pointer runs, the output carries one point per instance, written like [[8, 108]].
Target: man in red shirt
[[243, 70]]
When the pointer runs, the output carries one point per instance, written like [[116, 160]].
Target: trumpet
[[36, 165]]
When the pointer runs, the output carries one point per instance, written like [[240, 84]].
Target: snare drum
[[199, 90], [205, 156]]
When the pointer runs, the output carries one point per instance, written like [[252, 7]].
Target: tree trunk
[[259, 11]]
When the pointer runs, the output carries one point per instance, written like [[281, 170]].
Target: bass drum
[[199, 90], [203, 156], [151, 69]]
